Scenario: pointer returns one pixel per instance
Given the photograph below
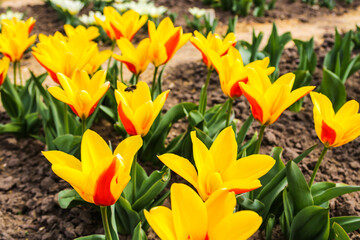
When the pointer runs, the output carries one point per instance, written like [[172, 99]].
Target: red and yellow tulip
[[191, 218], [335, 129], [101, 175], [269, 100], [136, 60], [80, 92], [136, 110], [212, 42], [15, 39], [97, 60], [231, 70], [217, 167], [165, 40], [89, 33], [4, 66]]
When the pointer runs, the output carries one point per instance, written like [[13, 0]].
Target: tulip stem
[[66, 119], [121, 72], [261, 135], [231, 101], [203, 94], [207, 81], [317, 166], [112, 50], [14, 69], [154, 83], [20, 76], [104, 217], [133, 177], [83, 123]]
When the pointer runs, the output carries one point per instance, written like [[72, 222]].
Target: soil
[[28, 188]]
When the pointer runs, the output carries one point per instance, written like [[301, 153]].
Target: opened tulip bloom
[[98, 58], [89, 33], [136, 60], [4, 66], [212, 42], [218, 168], [335, 129], [165, 40], [15, 39], [269, 100], [136, 110], [80, 92], [232, 71], [191, 218], [101, 175]]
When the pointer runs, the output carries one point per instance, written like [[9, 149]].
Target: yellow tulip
[[119, 26], [80, 92], [217, 167], [101, 175], [136, 109], [231, 70], [89, 33], [97, 60], [212, 42], [165, 41], [269, 100], [15, 39], [60, 54], [335, 129], [191, 218], [4, 66], [136, 60]]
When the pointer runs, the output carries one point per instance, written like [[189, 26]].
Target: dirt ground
[[28, 188]]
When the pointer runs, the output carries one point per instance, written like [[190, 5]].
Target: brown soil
[[28, 188]]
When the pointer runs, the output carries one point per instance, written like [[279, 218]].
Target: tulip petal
[[161, 221], [127, 149], [61, 158]]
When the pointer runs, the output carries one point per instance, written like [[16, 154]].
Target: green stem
[[103, 210], [203, 96], [121, 72], [229, 112], [133, 177], [208, 79], [14, 69], [112, 50], [83, 123], [20, 75], [261, 135], [317, 166], [66, 119], [154, 82]]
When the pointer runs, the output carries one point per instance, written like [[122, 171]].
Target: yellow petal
[[61, 158], [127, 149], [59, 94], [161, 221]]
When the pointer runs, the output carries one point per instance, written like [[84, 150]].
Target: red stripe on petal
[[129, 126], [52, 73], [235, 90], [8, 56], [256, 109], [172, 43], [73, 109], [2, 78], [131, 67], [102, 194], [328, 135], [118, 34], [239, 190]]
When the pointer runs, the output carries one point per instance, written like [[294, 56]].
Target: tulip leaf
[[243, 130], [11, 103], [338, 233], [68, 143], [348, 223], [311, 222], [92, 237], [139, 233], [325, 191], [299, 191], [288, 212], [248, 204], [302, 78], [126, 217], [203, 137], [195, 118], [12, 127], [69, 198], [269, 226], [203, 99], [112, 222]]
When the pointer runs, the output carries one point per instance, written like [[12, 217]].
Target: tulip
[[4, 66], [136, 110], [136, 60], [191, 218], [119, 26], [165, 40], [101, 175], [217, 167], [15, 39], [232, 71], [97, 60], [335, 129], [89, 33], [212, 42], [80, 92], [59, 54], [269, 100]]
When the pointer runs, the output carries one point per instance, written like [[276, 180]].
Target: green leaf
[[325, 191], [243, 130], [195, 118], [248, 204], [126, 218], [92, 237], [12, 104], [311, 222], [338, 232], [288, 211], [69, 198], [68, 143], [139, 233], [299, 191], [348, 223], [302, 78], [333, 88], [269, 226], [13, 127], [112, 222]]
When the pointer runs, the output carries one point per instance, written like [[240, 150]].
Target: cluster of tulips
[[220, 176]]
